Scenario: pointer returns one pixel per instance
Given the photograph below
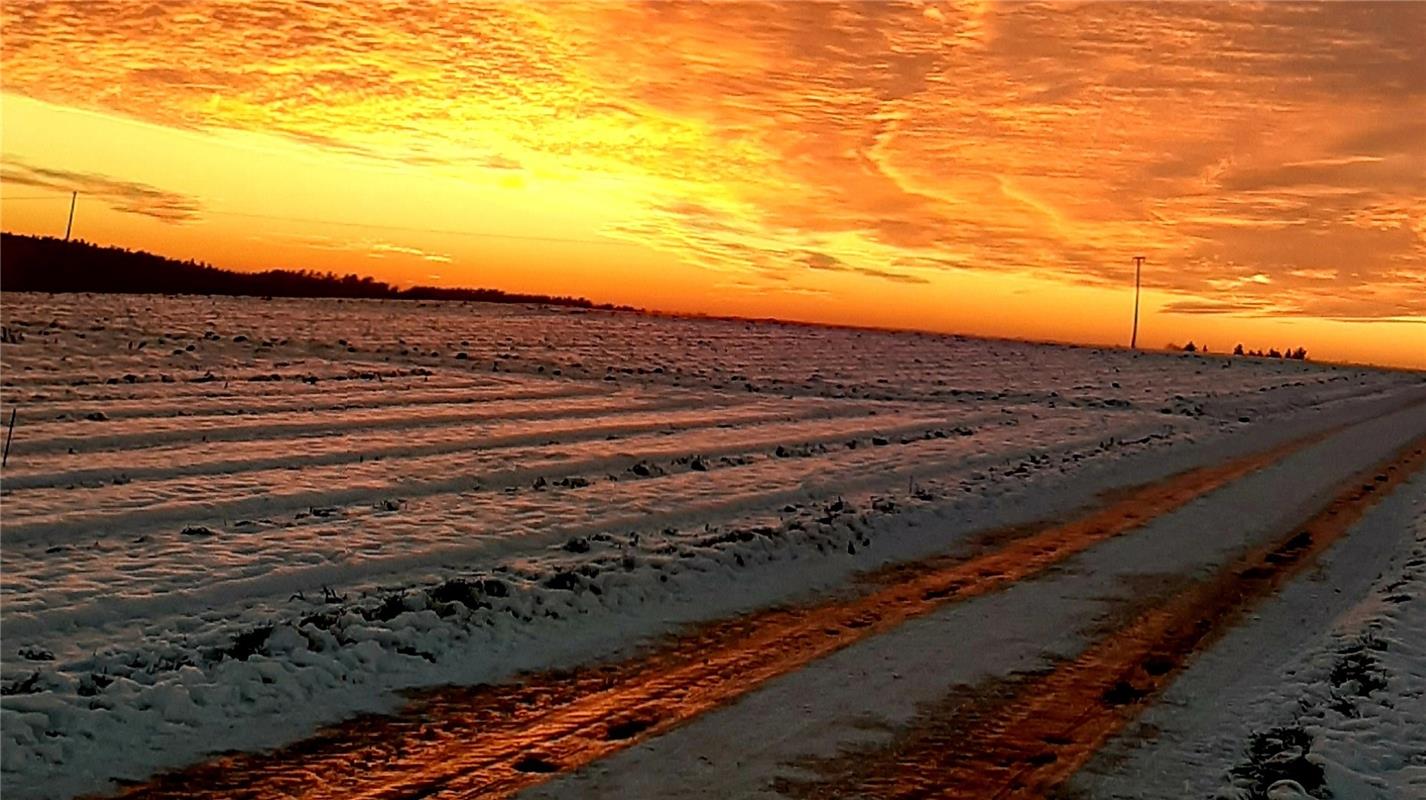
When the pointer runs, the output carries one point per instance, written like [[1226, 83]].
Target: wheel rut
[[1026, 736]]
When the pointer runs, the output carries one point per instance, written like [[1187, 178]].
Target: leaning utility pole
[[73, 196], [1138, 269]]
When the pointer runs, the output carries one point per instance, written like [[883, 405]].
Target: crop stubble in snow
[[335, 466]]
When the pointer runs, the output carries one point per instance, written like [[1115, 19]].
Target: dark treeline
[[1299, 354], [47, 264], [1287, 352]]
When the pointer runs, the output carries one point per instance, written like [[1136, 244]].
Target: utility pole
[[73, 196], [1138, 270]]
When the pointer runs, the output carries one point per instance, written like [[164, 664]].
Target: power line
[[32, 197]]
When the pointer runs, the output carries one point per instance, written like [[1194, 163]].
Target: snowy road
[[229, 522]]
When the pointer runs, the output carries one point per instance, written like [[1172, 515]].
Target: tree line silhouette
[[49, 264], [1299, 354]]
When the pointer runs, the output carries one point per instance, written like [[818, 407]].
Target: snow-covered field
[[226, 521]]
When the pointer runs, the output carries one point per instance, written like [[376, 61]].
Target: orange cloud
[[788, 144]]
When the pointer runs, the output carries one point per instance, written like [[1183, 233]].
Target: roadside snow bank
[[1358, 725], [1320, 692]]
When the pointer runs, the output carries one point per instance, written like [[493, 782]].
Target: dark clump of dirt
[[1280, 754], [627, 729], [249, 643], [1158, 665], [1291, 550], [1257, 573], [92, 684], [564, 581], [494, 587], [27, 685], [36, 653], [537, 764], [457, 590], [391, 607], [1122, 693]]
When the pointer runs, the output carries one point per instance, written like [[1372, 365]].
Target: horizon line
[[617, 307]]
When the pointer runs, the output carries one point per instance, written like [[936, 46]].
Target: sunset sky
[[966, 167]]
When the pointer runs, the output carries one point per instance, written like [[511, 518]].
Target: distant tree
[[1300, 354], [48, 264], [1189, 348], [1238, 351], [1273, 353]]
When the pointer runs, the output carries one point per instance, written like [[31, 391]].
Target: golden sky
[[967, 167]]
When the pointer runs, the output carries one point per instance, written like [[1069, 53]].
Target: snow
[[858, 696], [1328, 680], [319, 503]]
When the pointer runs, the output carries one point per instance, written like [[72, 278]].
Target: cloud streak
[[130, 197]]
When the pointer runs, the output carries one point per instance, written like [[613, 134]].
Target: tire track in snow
[[1027, 744], [494, 741]]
